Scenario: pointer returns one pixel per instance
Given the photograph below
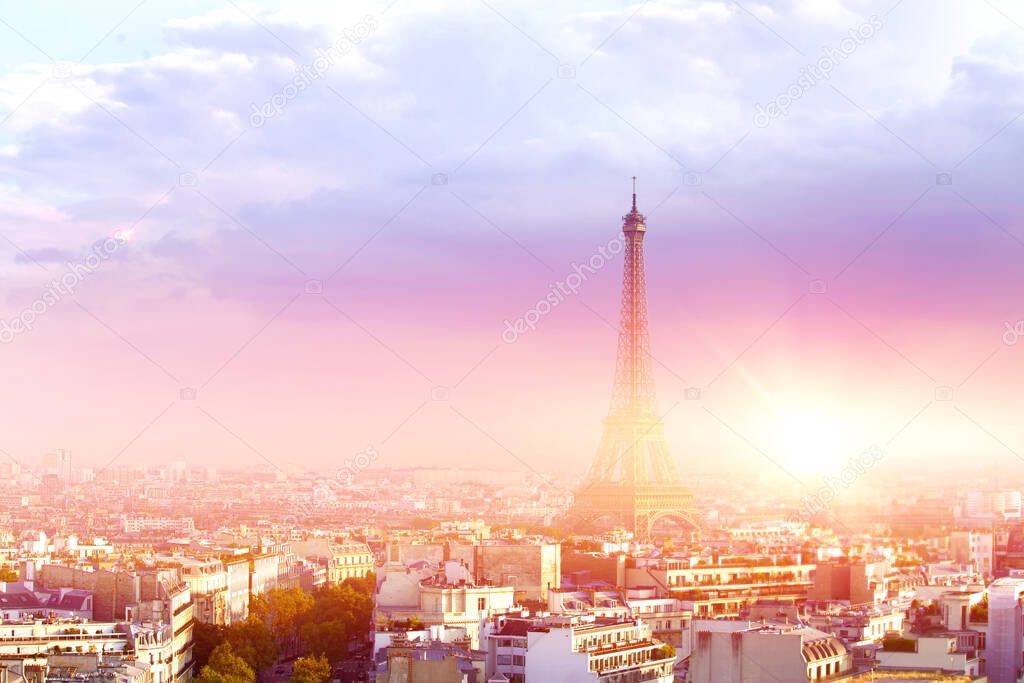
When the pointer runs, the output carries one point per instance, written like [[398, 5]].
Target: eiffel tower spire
[[634, 384], [633, 480]]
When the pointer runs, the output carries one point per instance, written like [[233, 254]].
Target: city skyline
[[818, 277], [511, 342]]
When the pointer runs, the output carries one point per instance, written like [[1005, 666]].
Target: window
[[481, 603], [504, 660]]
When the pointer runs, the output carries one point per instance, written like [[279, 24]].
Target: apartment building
[[41, 637], [853, 625], [431, 662], [444, 595], [349, 560], [236, 571], [598, 650], [746, 652], [531, 567], [164, 617], [143, 598], [1004, 654], [928, 652], [721, 586], [24, 600], [506, 646], [91, 667], [667, 617], [263, 572], [975, 548], [208, 584]]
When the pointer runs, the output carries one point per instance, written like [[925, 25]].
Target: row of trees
[[224, 666], [283, 624]]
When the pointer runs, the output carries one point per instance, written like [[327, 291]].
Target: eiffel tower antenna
[[633, 481]]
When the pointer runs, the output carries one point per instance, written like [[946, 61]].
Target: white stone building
[[742, 652], [600, 650]]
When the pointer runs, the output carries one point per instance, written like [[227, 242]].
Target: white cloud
[[451, 82]]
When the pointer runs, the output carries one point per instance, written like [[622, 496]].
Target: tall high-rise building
[[633, 482], [1004, 652], [58, 463]]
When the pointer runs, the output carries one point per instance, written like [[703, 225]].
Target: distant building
[[973, 547], [58, 463], [920, 516], [131, 524], [423, 478], [858, 582], [992, 505]]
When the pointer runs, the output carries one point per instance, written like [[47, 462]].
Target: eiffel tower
[[633, 482]]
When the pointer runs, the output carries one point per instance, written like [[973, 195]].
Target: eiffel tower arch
[[633, 481]]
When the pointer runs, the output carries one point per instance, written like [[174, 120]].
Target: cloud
[[45, 255], [234, 219], [479, 101]]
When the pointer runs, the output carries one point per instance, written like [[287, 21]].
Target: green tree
[[254, 642], [365, 585], [338, 613], [205, 639], [311, 670], [291, 622], [329, 639], [282, 610], [225, 666], [663, 652]]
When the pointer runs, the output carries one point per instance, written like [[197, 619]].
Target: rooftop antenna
[[634, 193]]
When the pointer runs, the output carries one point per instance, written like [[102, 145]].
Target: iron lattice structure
[[633, 481]]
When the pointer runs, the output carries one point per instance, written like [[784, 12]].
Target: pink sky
[[209, 291]]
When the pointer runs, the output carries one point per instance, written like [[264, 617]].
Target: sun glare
[[811, 441]]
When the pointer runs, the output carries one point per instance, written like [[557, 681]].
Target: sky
[[287, 232]]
